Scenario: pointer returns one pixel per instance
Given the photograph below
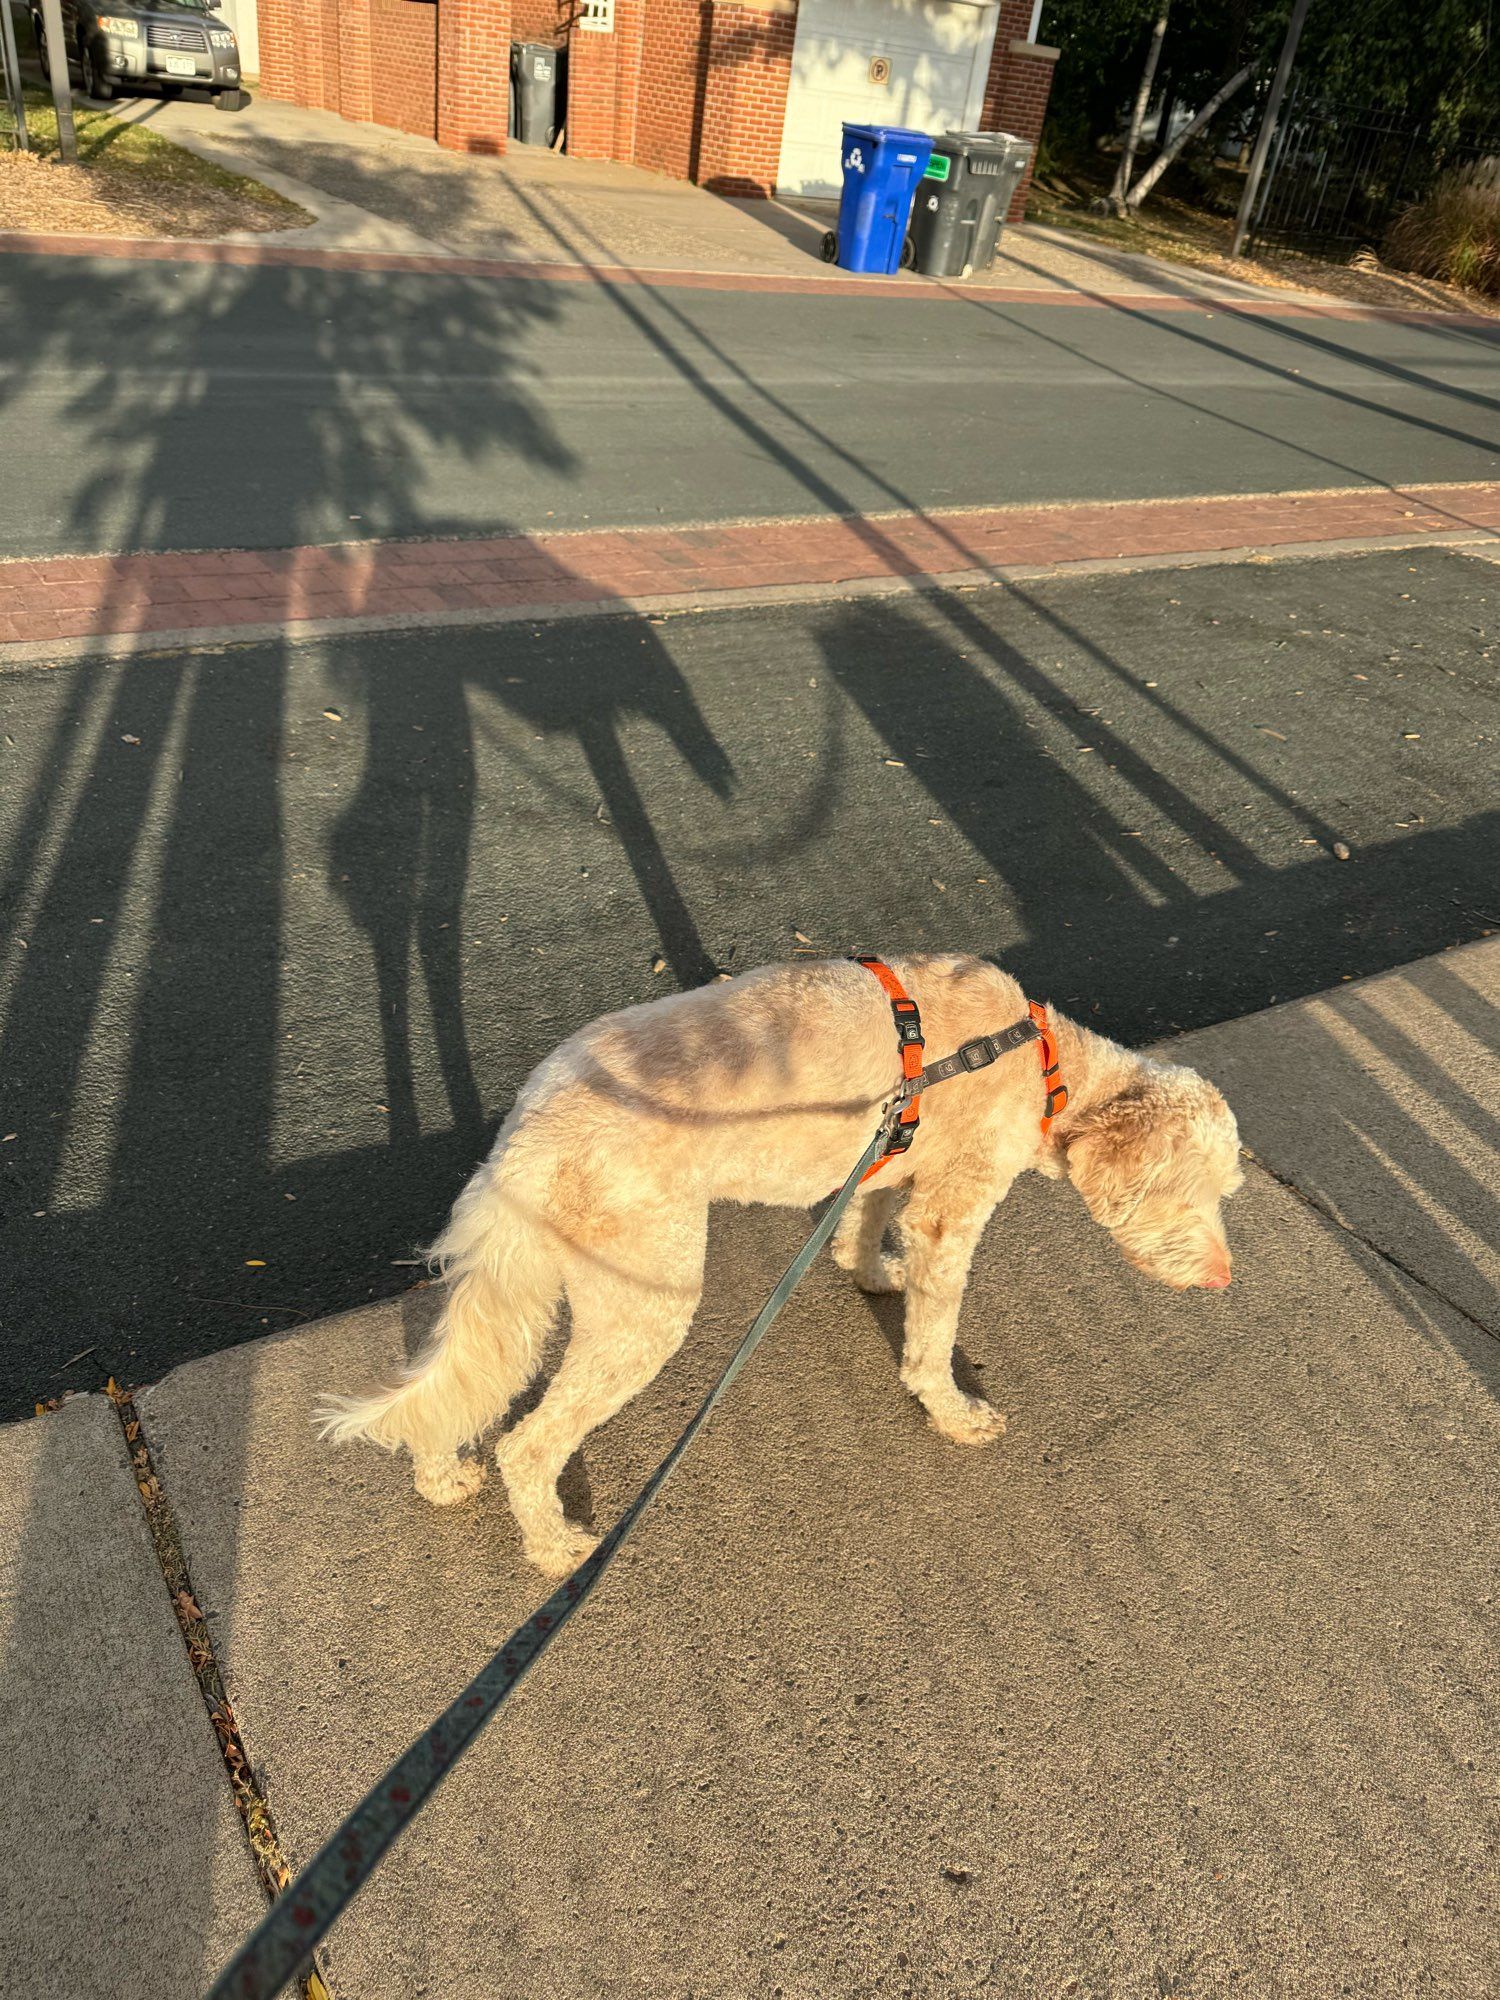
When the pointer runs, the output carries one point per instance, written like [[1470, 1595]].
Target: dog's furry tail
[[503, 1290]]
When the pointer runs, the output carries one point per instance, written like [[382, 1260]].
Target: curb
[[235, 251]]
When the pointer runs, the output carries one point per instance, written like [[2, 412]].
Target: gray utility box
[[962, 202], [535, 92]]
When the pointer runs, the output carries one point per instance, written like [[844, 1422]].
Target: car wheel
[[227, 100], [830, 246], [39, 38], [100, 88]]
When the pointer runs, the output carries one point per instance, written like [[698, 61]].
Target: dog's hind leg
[[503, 1284], [629, 1318], [859, 1240]]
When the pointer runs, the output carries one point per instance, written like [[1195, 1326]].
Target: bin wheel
[[908, 254], [830, 246]]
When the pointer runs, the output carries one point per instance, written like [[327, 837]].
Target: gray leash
[[302, 1915]]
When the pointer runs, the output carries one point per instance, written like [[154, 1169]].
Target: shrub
[[1454, 232]]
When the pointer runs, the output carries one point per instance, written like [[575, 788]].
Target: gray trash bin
[[960, 210], [534, 92]]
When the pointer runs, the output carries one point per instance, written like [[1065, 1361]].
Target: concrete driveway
[[374, 188]]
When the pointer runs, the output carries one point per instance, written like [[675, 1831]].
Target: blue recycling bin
[[882, 165]]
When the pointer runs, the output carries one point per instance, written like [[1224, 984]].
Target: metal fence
[[1338, 178]]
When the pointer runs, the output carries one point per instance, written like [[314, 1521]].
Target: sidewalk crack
[[271, 1865], [1375, 1249]]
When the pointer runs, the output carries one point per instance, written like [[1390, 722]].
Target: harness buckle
[[978, 1054], [908, 1021], [901, 1137]]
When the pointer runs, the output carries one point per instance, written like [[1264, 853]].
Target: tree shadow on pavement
[[172, 977], [1270, 326], [164, 989], [1403, 1147]]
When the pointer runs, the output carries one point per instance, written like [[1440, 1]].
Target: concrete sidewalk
[[374, 189], [126, 1868], [1181, 1689]]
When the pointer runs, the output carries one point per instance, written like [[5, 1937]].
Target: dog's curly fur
[[765, 1089]]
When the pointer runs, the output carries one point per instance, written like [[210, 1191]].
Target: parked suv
[[170, 43]]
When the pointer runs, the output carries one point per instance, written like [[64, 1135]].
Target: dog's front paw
[[965, 1419], [447, 1481], [560, 1554], [885, 1275]]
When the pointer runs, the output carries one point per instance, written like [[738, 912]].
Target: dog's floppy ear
[[1117, 1151]]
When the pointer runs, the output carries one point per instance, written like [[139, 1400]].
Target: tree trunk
[[1138, 111], [1168, 154]]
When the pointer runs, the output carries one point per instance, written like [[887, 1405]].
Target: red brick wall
[[1015, 96], [331, 53], [355, 81], [692, 88], [537, 21], [604, 78], [473, 74], [275, 19], [674, 66], [591, 95], [744, 105], [403, 72], [440, 71]]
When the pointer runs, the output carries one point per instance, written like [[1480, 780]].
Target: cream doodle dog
[[766, 1088]]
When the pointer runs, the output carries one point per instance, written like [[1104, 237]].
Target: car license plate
[[181, 66]]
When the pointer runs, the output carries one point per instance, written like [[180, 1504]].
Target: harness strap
[[1057, 1090], [980, 1053], [975, 1055], [909, 1036]]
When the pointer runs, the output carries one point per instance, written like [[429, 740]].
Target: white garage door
[[935, 56]]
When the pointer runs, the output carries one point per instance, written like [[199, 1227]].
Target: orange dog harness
[[978, 1054]]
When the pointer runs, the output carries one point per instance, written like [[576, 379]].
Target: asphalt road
[[159, 406], [286, 925]]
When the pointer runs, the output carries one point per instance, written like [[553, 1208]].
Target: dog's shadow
[[422, 1307]]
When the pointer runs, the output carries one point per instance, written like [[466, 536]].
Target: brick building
[[741, 96]]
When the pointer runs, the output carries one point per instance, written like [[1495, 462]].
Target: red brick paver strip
[[218, 590]]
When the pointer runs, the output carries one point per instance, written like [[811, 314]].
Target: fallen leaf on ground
[[186, 1605]]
